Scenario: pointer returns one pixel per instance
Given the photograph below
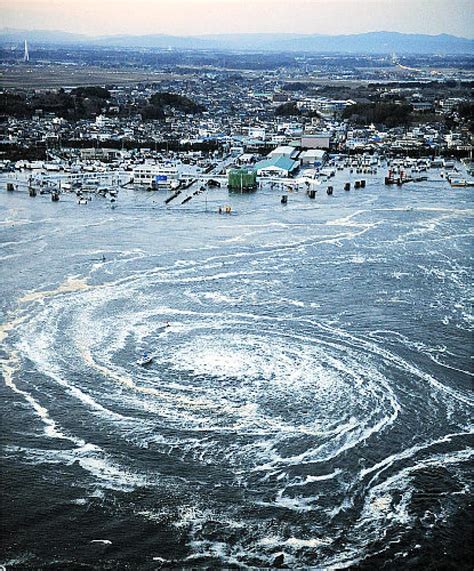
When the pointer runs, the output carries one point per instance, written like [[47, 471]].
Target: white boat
[[460, 182], [328, 172], [145, 359]]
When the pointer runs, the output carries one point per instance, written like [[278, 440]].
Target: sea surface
[[309, 405]]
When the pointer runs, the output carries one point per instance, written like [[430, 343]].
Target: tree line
[[88, 102]]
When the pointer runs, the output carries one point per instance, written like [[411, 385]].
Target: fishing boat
[[457, 182], [145, 359], [460, 182]]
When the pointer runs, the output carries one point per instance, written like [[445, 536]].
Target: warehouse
[[316, 141], [313, 157], [279, 166], [283, 151]]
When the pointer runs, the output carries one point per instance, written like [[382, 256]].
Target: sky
[[199, 17]]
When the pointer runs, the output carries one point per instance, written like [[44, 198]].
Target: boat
[[145, 359], [461, 182], [457, 182]]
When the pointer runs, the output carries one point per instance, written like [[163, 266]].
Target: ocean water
[[311, 397]]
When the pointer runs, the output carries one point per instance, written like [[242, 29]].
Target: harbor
[[177, 185]]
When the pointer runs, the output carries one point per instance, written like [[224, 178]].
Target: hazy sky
[[186, 17]]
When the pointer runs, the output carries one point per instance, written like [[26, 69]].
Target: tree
[[466, 113], [14, 104], [287, 109], [178, 102], [388, 114], [93, 91]]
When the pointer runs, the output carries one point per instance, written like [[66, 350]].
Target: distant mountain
[[372, 42], [264, 42], [382, 42], [11, 36], [162, 41]]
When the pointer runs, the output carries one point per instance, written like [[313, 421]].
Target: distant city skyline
[[199, 17]]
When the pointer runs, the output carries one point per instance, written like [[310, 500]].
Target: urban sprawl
[[235, 118]]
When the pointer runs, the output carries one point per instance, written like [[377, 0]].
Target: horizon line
[[214, 34]]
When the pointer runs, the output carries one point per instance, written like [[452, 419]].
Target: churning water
[[312, 396]]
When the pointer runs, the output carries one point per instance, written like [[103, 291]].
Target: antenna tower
[[26, 56]]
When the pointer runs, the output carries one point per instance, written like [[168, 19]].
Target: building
[[280, 97], [257, 133], [313, 157], [93, 153], [422, 106], [316, 141], [242, 180], [247, 158], [451, 103], [283, 151], [154, 175], [276, 166]]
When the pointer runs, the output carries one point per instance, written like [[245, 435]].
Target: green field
[[50, 76]]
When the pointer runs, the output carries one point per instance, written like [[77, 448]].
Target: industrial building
[[279, 166], [313, 157], [316, 141], [284, 151]]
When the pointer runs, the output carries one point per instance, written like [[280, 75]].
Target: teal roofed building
[[277, 166]]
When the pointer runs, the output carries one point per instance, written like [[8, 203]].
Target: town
[[217, 113]]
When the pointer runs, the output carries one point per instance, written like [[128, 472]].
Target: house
[[247, 158], [280, 97], [257, 133], [422, 106]]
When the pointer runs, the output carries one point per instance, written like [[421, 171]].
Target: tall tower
[[26, 56]]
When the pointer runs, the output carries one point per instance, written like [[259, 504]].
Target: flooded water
[[311, 397]]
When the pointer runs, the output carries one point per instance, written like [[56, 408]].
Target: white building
[[313, 157], [257, 133], [154, 175], [283, 151]]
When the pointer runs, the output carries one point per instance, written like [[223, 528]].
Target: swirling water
[[312, 396]]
